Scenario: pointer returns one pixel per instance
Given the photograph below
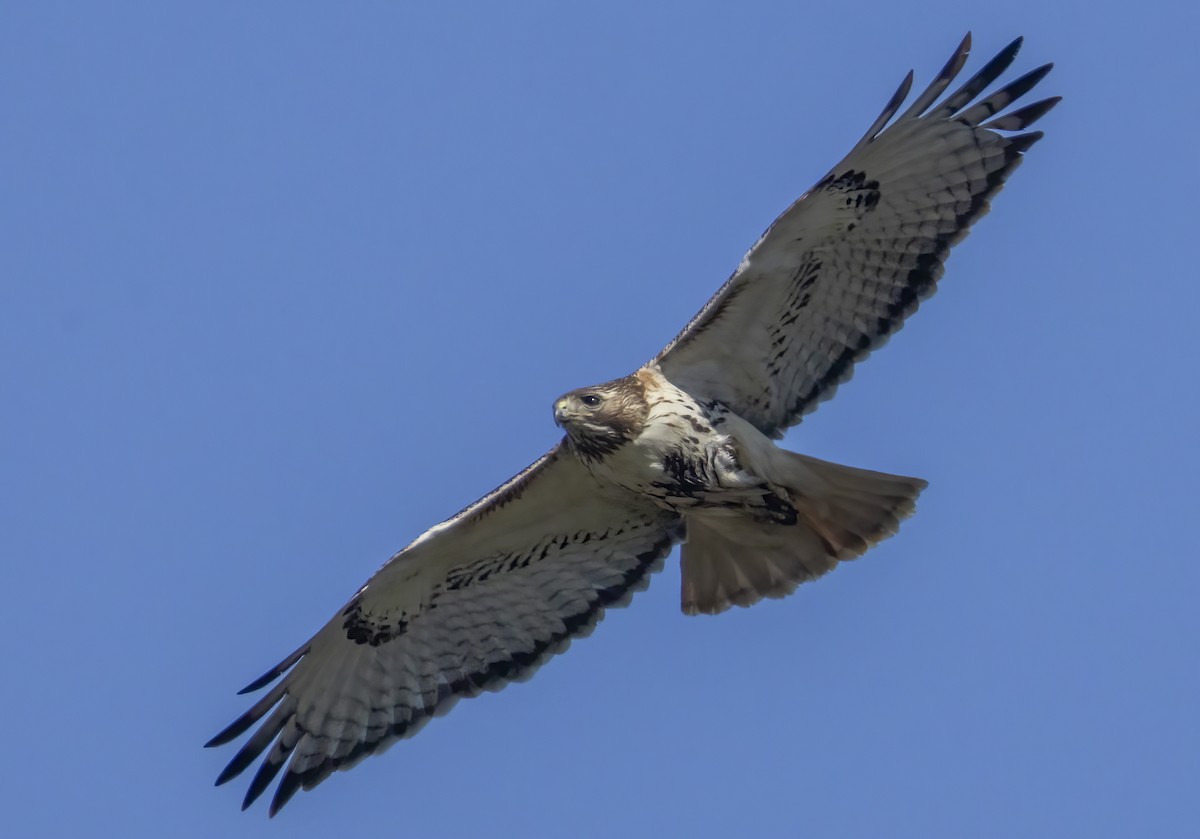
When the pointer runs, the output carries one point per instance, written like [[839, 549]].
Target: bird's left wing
[[476, 602], [842, 268]]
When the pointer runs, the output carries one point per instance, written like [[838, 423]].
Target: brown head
[[600, 419]]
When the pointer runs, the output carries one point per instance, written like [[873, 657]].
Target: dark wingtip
[[1001, 61], [263, 777], [1022, 142], [1024, 117], [230, 772], [979, 82], [288, 786], [241, 761], [1024, 84], [889, 111], [260, 683], [1042, 108], [239, 726], [1002, 98], [276, 671], [229, 732]]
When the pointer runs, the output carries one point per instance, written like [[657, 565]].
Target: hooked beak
[[560, 412]]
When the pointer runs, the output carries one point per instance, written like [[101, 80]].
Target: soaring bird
[[680, 451]]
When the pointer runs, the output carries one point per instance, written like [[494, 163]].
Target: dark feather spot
[[364, 628]]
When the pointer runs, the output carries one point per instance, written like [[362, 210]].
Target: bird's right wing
[[840, 270], [473, 604]]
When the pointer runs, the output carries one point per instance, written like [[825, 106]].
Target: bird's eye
[[590, 399]]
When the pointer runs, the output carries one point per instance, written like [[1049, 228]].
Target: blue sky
[[283, 284]]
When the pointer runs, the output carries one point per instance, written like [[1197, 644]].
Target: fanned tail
[[841, 512]]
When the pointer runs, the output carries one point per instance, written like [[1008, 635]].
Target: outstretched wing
[[473, 604], [842, 268]]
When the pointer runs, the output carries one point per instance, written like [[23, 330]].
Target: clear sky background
[[283, 284]]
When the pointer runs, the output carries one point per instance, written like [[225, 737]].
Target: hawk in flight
[[680, 451]]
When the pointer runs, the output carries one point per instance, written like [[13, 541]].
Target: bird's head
[[598, 420]]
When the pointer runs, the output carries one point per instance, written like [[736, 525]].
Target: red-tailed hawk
[[680, 451]]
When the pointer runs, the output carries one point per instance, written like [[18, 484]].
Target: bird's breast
[[680, 460]]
